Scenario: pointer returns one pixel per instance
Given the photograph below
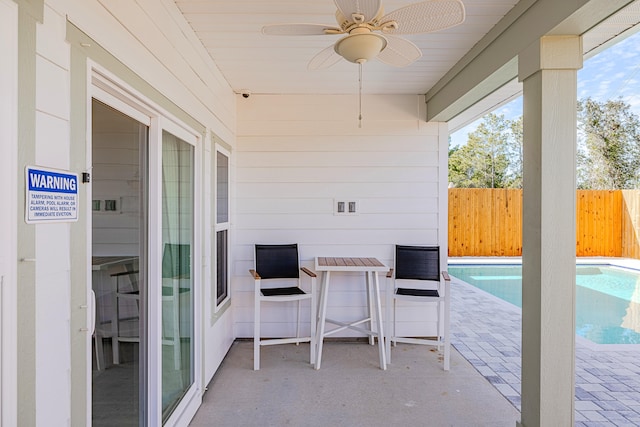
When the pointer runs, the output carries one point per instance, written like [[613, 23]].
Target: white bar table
[[369, 266]]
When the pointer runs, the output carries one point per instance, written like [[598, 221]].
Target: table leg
[[313, 331], [324, 291], [370, 303], [381, 340]]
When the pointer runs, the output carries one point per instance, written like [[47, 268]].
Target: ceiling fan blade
[[399, 52], [368, 8], [324, 59], [299, 30], [425, 17]]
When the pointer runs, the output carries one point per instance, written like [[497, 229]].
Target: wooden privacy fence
[[488, 222]]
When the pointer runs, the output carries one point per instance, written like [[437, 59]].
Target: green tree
[[608, 145], [515, 151], [483, 162]]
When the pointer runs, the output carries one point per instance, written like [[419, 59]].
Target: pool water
[[607, 297]]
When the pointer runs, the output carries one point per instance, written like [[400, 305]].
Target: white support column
[[548, 70]]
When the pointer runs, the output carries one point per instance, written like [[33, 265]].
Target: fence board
[[485, 222], [599, 223], [488, 222]]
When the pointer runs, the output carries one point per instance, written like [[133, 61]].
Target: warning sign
[[52, 196]]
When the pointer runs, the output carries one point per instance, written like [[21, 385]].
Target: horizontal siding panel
[[342, 243], [265, 189], [48, 38], [315, 143], [291, 205], [334, 222], [51, 154], [331, 128], [338, 174], [333, 108], [52, 96], [354, 159], [309, 205]]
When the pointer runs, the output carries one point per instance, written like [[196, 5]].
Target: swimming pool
[[607, 297]]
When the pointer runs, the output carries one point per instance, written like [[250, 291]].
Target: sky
[[611, 74]]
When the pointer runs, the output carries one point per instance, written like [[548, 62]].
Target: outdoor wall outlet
[[345, 207], [109, 205]]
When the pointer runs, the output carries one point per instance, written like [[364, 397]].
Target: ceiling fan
[[372, 34]]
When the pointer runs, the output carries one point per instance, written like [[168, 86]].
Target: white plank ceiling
[[230, 30]]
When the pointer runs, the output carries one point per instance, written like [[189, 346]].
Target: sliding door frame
[[107, 88]]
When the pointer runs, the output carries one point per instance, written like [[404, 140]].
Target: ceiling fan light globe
[[360, 48]]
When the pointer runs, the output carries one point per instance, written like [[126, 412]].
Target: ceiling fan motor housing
[[361, 45]]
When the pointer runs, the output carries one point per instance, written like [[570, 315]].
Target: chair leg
[[298, 324], [115, 327], [447, 338], [256, 335], [439, 325], [395, 343]]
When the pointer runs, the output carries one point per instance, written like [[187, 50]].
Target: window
[[221, 226]]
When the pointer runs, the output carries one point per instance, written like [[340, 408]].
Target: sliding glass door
[[119, 267], [177, 286], [146, 367]]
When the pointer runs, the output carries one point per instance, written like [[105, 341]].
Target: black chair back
[[277, 261], [417, 262]]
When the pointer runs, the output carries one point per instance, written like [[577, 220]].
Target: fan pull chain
[[360, 95]]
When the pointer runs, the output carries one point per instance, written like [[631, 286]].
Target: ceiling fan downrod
[[360, 93]]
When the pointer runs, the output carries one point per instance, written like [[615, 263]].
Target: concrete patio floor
[[350, 389], [482, 388]]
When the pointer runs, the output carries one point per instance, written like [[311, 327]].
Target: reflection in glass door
[[119, 224], [177, 285]]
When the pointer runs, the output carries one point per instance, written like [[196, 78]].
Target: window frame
[[217, 302]]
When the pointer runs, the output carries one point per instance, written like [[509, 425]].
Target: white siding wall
[[53, 293], [296, 154], [8, 215], [152, 39]]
